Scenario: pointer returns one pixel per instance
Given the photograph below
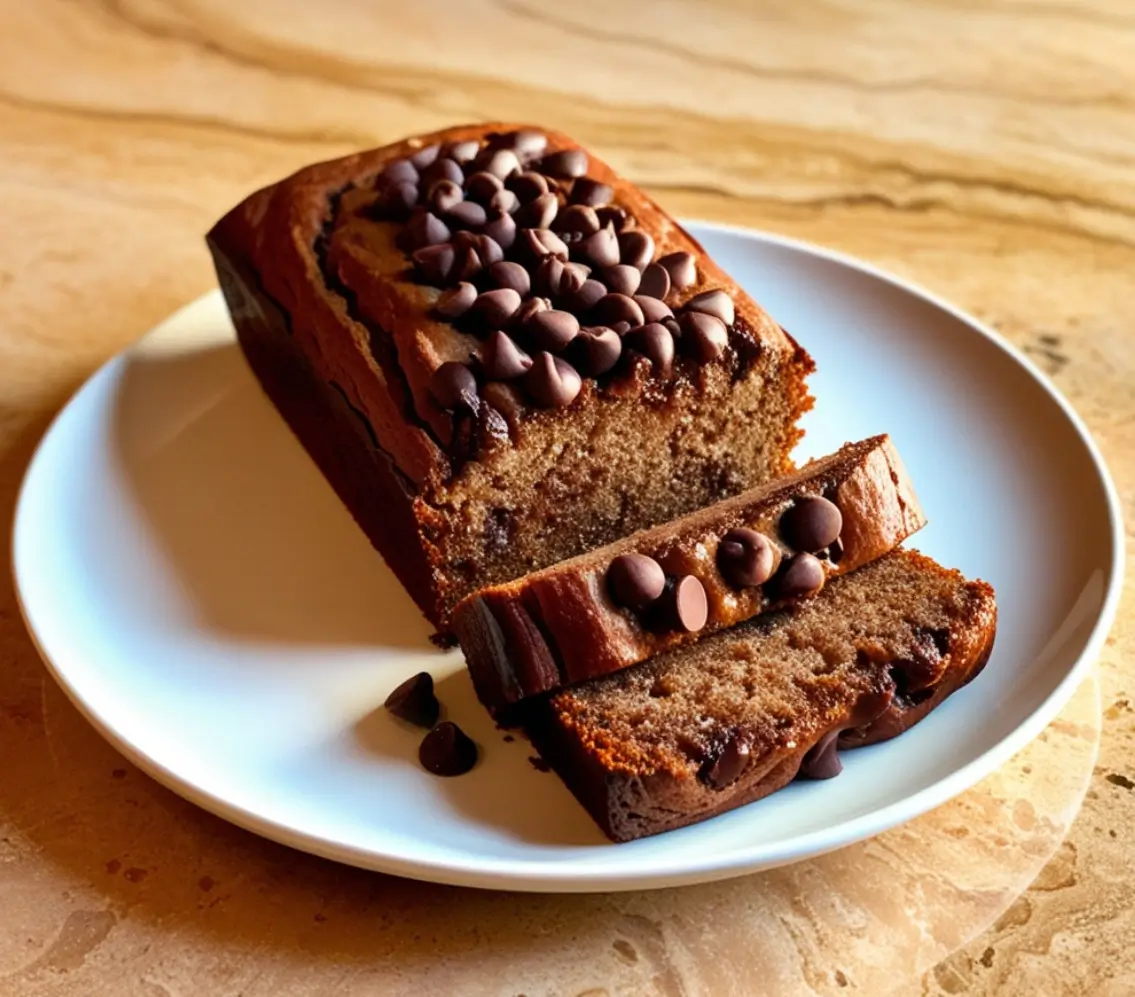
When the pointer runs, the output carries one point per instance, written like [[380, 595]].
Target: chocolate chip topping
[[801, 575], [447, 750], [568, 163], [434, 263], [397, 200], [467, 214], [540, 212], [441, 169], [423, 229], [426, 156], [527, 185], [613, 215], [414, 701], [494, 308], [716, 303], [811, 523], [444, 195], [618, 308], [551, 330], [454, 386], [577, 218], [596, 350], [482, 186], [536, 243], [508, 274], [501, 228], [591, 192], [703, 337], [726, 764], [622, 279], [462, 152], [552, 382], [655, 281], [636, 248], [590, 293], [746, 558], [505, 201], [687, 607], [655, 343], [499, 162], [529, 308], [526, 143], [682, 269], [822, 760], [600, 248], [502, 359], [653, 310], [634, 581], [456, 301]]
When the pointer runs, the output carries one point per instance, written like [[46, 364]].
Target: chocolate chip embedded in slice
[[622, 278], [456, 301], [600, 248], [528, 185], [540, 212], [509, 274], [567, 163], [494, 308], [501, 228], [655, 343], [682, 269], [454, 386], [414, 701], [811, 523], [703, 337], [613, 308], [591, 192], [636, 248], [727, 763], [635, 581], [502, 359], [552, 382], [822, 760], [655, 281], [746, 558], [686, 605], [447, 750], [716, 303], [551, 330], [595, 350], [801, 576], [400, 170], [433, 264], [653, 310]]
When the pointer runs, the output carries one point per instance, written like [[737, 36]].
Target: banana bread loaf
[[669, 585], [710, 726], [501, 354]]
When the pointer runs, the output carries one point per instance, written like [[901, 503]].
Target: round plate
[[198, 590]]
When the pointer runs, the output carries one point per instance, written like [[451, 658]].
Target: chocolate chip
[[653, 310], [467, 214], [454, 386], [596, 350], [618, 308], [803, 575], [502, 359], [727, 763], [671, 323], [622, 279], [462, 152], [414, 701], [539, 212], [591, 192], [536, 243], [655, 281], [551, 330], [811, 523], [467, 264], [687, 607], [532, 306], [822, 760], [566, 163], [426, 156], [442, 169], [399, 171], [397, 200], [423, 229], [703, 336], [444, 195], [505, 201], [487, 247], [716, 303], [552, 382], [682, 269], [482, 186], [746, 558], [494, 308], [447, 750], [509, 274], [501, 228], [655, 343], [634, 581], [456, 301], [526, 143], [577, 218], [613, 215], [590, 293], [434, 263], [528, 185], [600, 248], [636, 248], [499, 162]]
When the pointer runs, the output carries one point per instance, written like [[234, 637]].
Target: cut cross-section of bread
[[710, 726], [617, 605]]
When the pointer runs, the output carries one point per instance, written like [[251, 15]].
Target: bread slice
[[710, 726], [462, 469], [567, 623]]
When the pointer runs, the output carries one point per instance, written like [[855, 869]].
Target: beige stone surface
[[985, 149]]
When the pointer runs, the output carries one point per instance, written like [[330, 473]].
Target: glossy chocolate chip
[[414, 701], [682, 269], [456, 301], [589, 294], [567, 163], [442, 169], [454, 386], [702, 337], [716, 303], [618, 308], [671, 323], [482, 186], [426, 156], [655, 343], [467, 215], [634, 581], [501, 228], [532, 306], [534, 244], [591, 192], [551, 330], [423, 229], [494, 308], [727, 763], [527, 143], [601, 249], [622, 278], [509, 274], [462, 152], [399, 171], [499, 162], [811, 523], [540, 212], [687, 605], [434, 263], [577, 218], [396, 200], [653, 310], [746, 558], [552, 382], [502, 359], [655, 281], [803, 575], [447, 750], [595, 350], [613, 215], [487, 247], [528, 185], [505, 201], [822, 760], [444, 195], [621, 328], [636, 249], [466, 264]]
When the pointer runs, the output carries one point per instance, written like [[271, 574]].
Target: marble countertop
[[985, 150]]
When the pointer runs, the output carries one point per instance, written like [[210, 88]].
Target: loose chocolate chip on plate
[[811, 523], [552, 382], [655, 343], [803, 575], [703, 336], [423, 229], [447, 750], [509, 274], [590, 293], [425, 156], [596, 350], [400, 170], [467, 215], [444, 195], [612, 214], [414, 701], [442, 169], [536, 243], [482, 186], [502, 359], [567, 163], [682, 269], [504, 200], [636, 249], [462, 152], [622, 278], [727, 764], [434, 263], [494, 308], [634, 581], [746, 558], [655, 281], [528, 185], [653, 310], [454, 386], [501, 228], [577, 218], [538, 213], [456, 301], [551, 330], [397, 200], [687, 607], [600, 248], [618, 308], [591, 192], [822, 760], [716, 303]]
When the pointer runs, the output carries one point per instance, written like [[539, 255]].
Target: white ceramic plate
[[203, 597]]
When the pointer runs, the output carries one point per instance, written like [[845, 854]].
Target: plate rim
[[560, 877]]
